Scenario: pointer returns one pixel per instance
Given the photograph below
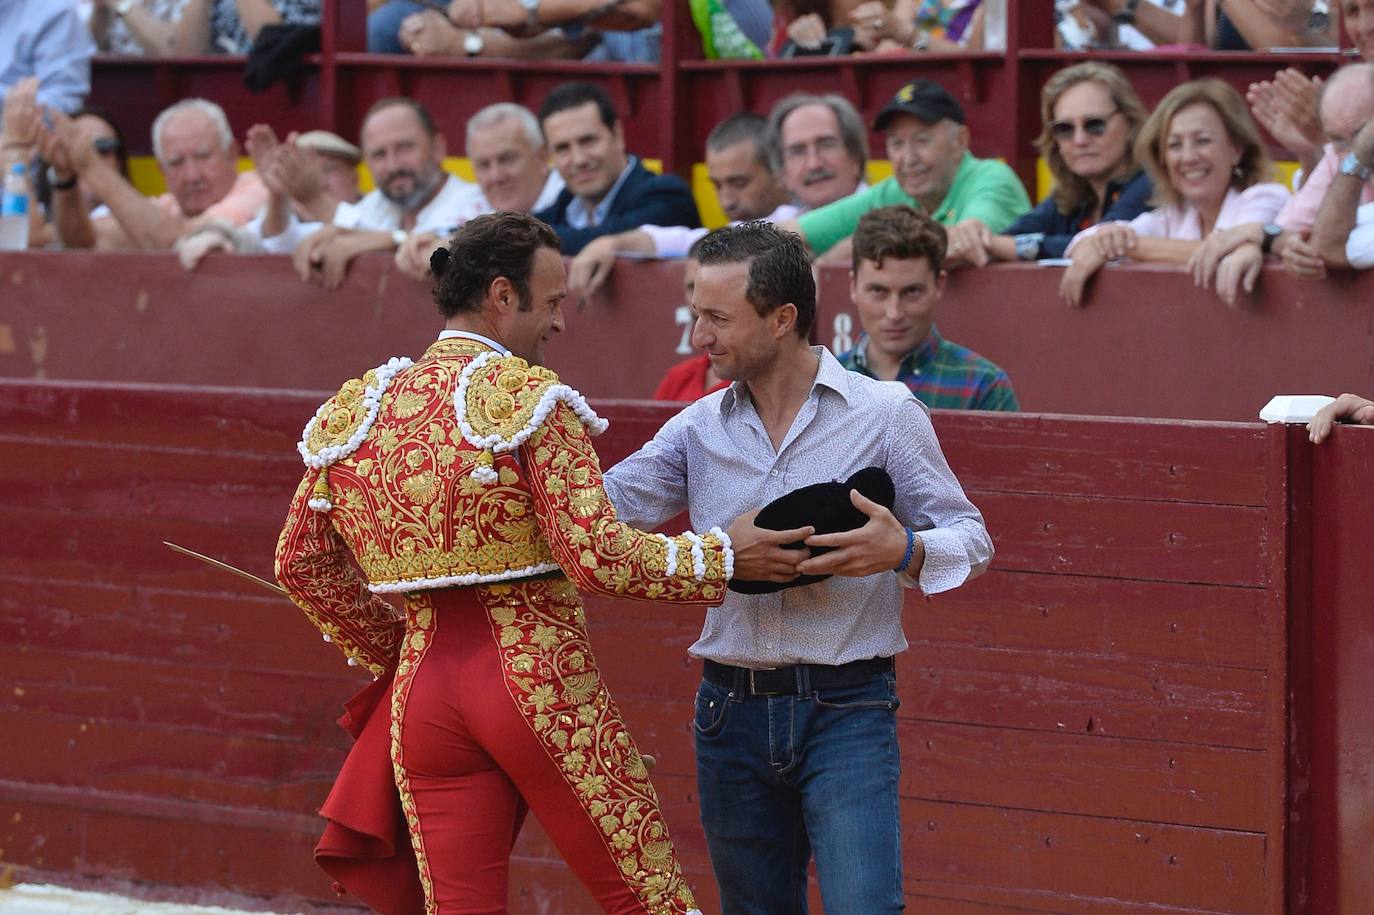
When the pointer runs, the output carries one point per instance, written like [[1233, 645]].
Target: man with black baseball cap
[[933, 170]]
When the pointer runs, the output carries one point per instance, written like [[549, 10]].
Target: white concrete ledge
[[37, 899]]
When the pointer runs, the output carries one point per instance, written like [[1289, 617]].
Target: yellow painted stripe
[[147, 177]]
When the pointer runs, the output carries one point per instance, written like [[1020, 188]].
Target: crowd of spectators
[[1189, 183]]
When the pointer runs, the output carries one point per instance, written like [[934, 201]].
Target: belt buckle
[[753, 690]]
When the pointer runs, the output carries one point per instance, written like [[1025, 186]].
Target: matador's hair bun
[[438, 261]]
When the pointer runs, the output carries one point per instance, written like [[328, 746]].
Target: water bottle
[[14, 210]]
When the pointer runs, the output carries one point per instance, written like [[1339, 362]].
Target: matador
[[466, 481]]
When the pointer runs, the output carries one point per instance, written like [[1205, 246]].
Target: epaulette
[[341, 423], [502, 400]]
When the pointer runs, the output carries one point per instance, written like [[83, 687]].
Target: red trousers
[[497, 708]]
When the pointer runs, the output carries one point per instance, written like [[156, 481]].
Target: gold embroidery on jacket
[[552, 677], [419, 635]]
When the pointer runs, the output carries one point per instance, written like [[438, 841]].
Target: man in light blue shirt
[[46, 39], [796, 733]]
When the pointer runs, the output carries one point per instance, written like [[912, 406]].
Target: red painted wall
[[1147, 344], [1101, 723]]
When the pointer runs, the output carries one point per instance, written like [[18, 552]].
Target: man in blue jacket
[[608, 190]]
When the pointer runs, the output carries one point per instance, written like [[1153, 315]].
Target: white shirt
[[1359, 247], [676, 241], [1257, 203], [456, 203], [296, 231]]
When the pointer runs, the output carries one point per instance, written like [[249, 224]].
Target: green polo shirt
[[983, 188]]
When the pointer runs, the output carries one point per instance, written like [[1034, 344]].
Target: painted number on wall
[[843, 340], [684, 320]]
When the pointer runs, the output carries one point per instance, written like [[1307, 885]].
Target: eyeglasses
[[1093, 126], [105, 145]]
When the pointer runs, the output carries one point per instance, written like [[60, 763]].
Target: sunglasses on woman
[[1094, 126]]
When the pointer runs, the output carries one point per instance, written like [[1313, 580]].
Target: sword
[[261, 582]]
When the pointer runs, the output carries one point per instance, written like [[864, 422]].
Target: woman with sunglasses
[[1203, 151], [1091, 116]]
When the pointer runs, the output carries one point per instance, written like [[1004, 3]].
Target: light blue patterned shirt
[[579, 217], [47, 39], [715, 460]]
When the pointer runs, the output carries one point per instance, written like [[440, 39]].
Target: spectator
[[739, 165], [231, 26], [607, 190], [1345, 103], [1343, 234], [506, 149], [307, 177], [1258, 25], [199, 160], [1091, 117], [46, 39], [1234, 25], [896, 283], [405, 153], [140, 27], [1207, 163], [1287, 106], [429, 33], [1136, 25], [108, 140], [1348, 407], [629, 30], [694, 378], [733, 29], [933, 170], [927, 25], [819, 146]]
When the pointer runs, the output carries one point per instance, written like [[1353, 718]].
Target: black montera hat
[[827, 508], [925, 100]]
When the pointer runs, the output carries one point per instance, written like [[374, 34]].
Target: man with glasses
[[819, 146], [811, 151], [933, 170]]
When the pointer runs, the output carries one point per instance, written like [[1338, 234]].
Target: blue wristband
[[910, 548]]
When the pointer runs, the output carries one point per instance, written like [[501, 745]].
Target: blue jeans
[[781, 777], [384, 26]]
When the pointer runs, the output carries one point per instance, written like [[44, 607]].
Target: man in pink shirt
[[1346, 105], [198, 156]]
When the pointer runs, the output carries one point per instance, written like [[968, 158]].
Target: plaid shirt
[[944, 375]]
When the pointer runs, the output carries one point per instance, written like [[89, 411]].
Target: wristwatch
[[1126, 15], [1271, 232], [123, 6], [1320, 17], [532, 13], [473, 43], [1028, 245], [57, 184], [398, 237], [1352, 166]]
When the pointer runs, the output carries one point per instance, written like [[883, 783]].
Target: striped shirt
[[944, 375]]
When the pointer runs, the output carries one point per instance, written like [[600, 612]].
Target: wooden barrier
[[1155, 699], [1147, 344]]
